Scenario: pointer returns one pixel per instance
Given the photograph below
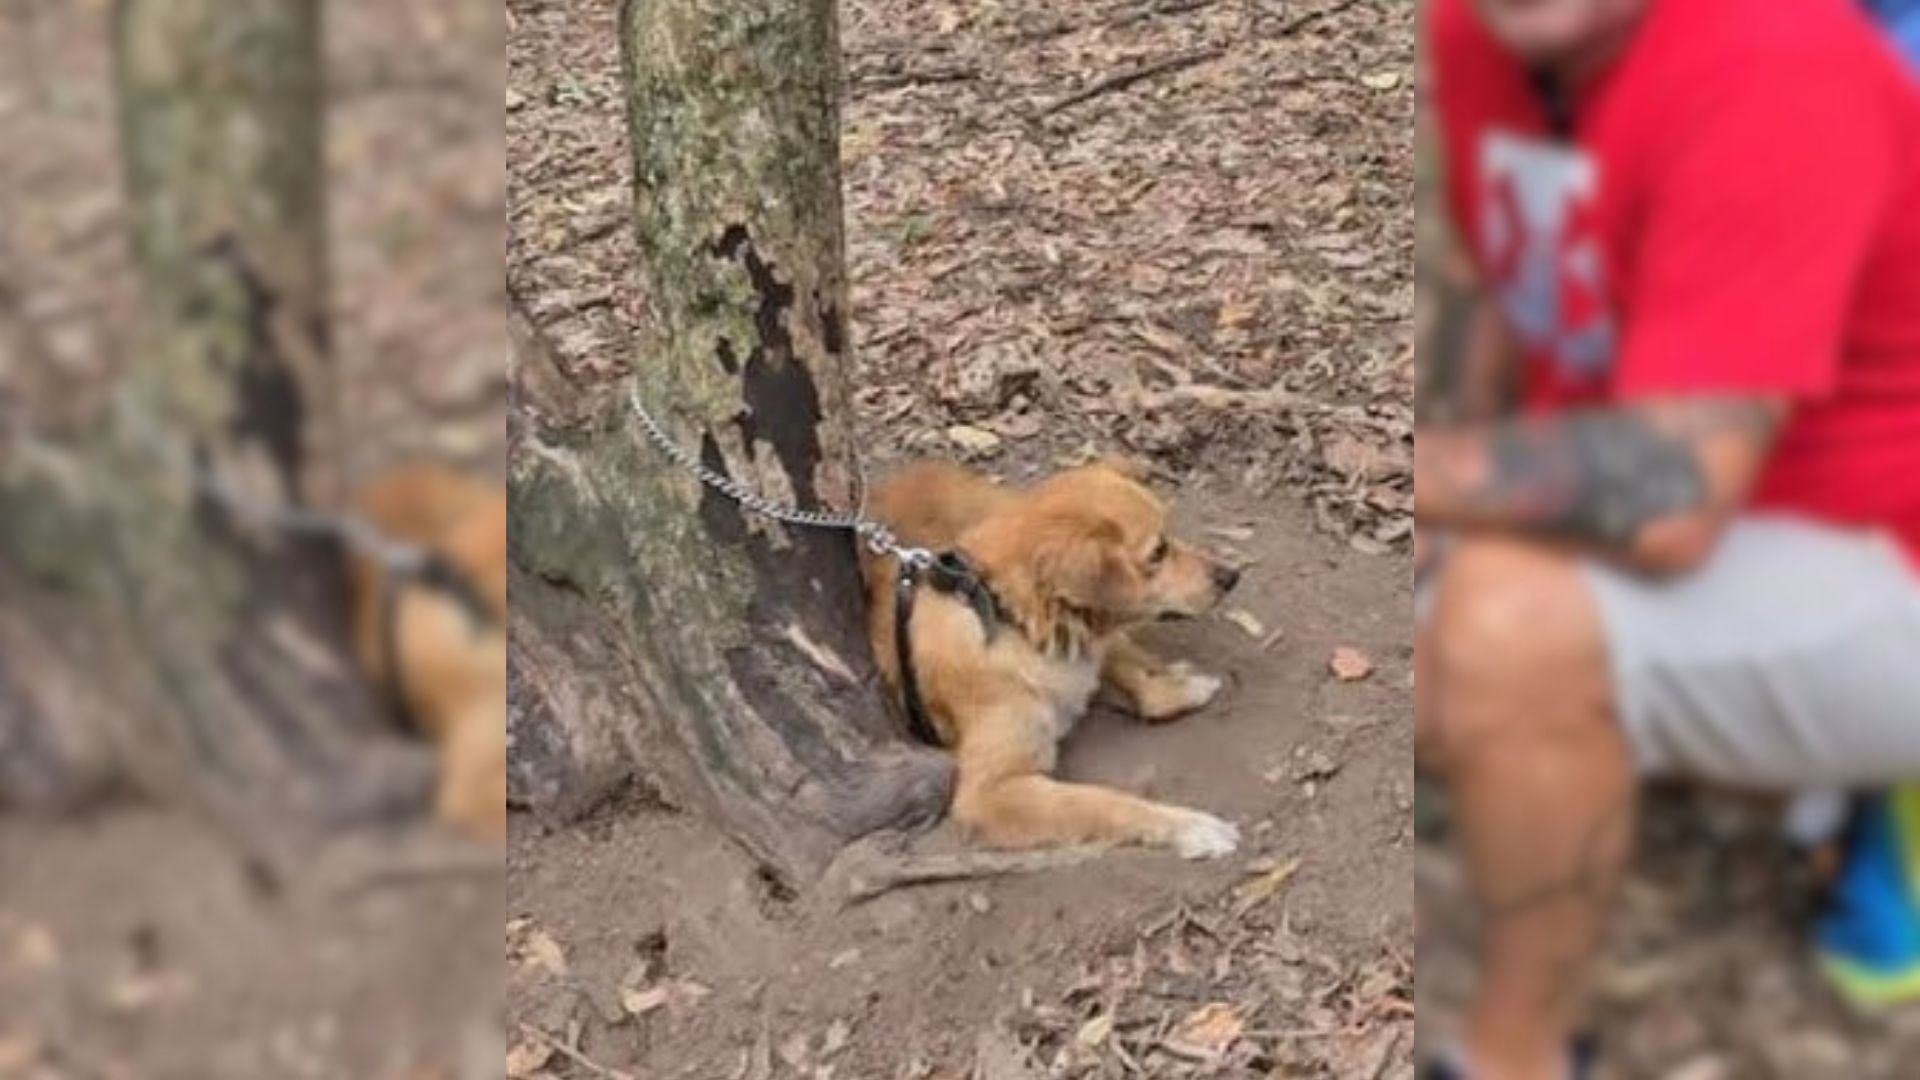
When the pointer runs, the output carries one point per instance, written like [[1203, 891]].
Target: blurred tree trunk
[[660, 630], [205, 648]]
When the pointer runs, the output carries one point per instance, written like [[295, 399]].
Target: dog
[[1044, 585], [434, 640]]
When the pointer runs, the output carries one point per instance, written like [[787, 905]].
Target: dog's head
[[1093, 541]]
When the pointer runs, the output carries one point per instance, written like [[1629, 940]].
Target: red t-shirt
[[1735, 207]]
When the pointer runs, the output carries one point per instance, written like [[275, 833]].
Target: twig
[[1122, 80], [887, 872], [1155, 11], [1125, 17], [352, 869], [1301, 22], [883, 79], [574, 1055]]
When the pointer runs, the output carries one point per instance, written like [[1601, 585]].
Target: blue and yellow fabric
[[1869, 937]]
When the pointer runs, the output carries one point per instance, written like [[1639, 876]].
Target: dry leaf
[[543, 951], [1251, 894], [1349, 664], [1384, 79], [1233, 314], [974, 440], [138, 992], [793, 1051], [1246, 621], [690, 992], [527, 1058], [1206, 1032], [642, 1002], [1095, 1031], [838, 1033]]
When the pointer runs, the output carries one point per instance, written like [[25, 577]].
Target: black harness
[[949, 573], [433, 573]]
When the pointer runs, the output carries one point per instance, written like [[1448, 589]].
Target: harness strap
[[435, 574], [949, 573]]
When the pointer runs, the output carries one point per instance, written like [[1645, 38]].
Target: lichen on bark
[[736, 640]]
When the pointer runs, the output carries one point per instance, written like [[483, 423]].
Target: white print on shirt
[[1536, 240]]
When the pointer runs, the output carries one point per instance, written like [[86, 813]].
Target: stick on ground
[[881, 873]]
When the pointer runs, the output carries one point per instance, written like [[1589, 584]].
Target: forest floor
[[1208, 267], [134, 945]]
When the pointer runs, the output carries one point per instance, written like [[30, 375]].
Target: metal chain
[[878, 538], [351, 531]]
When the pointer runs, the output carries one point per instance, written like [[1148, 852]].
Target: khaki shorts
[[1790, 660]]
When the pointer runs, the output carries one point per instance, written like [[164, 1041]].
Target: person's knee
[[1514, 641]]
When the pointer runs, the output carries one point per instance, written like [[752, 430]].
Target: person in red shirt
[[1669, 503]]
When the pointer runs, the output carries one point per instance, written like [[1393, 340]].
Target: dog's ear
[[1088, 568]]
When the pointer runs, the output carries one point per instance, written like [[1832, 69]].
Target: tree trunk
[[222, 639], [660, 628]]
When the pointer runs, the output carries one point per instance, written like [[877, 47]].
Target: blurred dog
[[1010, 636], [435, 639]]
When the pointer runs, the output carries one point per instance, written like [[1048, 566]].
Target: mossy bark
[[724, 654], [221, 637]]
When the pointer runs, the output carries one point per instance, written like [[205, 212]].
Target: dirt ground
[[1210, 268], [132, 943]]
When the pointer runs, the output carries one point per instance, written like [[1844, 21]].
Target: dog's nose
[[1225, 578]]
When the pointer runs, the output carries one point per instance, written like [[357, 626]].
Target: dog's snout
[[1225, 577]]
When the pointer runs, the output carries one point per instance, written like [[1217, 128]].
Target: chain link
[[349, 530], [878, 538]]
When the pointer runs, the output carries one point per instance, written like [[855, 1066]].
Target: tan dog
[[1072, 564], [447, 643]]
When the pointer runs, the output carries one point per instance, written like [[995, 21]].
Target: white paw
[[1203, 836], [1201, 689]]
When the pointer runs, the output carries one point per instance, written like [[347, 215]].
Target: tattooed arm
[[1649, 484]]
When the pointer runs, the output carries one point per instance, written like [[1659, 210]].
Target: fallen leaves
[[542, 951], [973, 441], [1206, 1033], [1349, 664], [1263, 887], [1247, 622], [527, 1058]]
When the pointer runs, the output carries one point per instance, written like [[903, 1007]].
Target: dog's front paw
[[1199, 687], [1179, 690], [1203, 836]]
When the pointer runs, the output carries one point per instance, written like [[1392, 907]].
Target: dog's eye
[[1159, 553]]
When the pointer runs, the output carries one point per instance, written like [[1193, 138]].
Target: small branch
[[893, 79], [358, 865], [574, 1055], [1301, 22], [1132, 76], [884, 873], [1124, 17], [1155, 11]]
